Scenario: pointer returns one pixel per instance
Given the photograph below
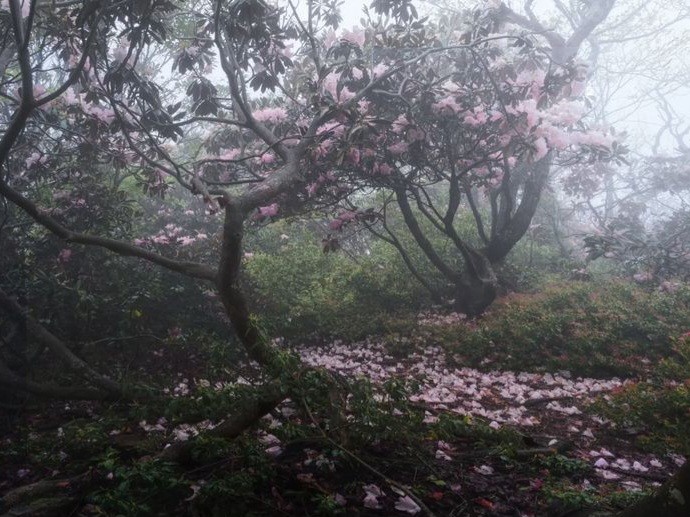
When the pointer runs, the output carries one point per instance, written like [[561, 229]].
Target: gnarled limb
[[515, 227], [247, 415], [59, 348], [11, 380], [192, 269], [254, 342], [45, 497]]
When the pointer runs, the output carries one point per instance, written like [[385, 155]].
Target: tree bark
[[474, 294], [231, 295], [251, 411]]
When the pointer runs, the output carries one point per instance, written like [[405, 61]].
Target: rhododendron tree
[[306, 116], [639, 213], [474, 125]]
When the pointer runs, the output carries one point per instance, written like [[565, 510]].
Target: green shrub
[[658, 410], [594, 329], [299, 291]]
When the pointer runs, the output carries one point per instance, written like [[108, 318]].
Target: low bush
[[606, 329], [300, 291], [657, 411]]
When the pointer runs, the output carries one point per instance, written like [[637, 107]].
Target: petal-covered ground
[[550, 405], [566, 443], [563, 448]]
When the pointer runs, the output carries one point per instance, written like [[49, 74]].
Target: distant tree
[[473, 127], [640, 212]]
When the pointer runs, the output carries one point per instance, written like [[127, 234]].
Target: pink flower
[[312, 188], [230, 154], [353, 155], [565, 113], [557, 137], [601, 463], [268, 158], [64, 256], [271, 115], [447, 106], [382, 168], [39, 91], [35, 158], [336, 224], [407, 505], [348, 216], [69, 97], [274, 451], [593, 138], [342, 219], [267, 211], [161, 239], [398, 148], [373, 492], [441, 455], [379, 70], [355, 36], [400, 124], [371, 501]]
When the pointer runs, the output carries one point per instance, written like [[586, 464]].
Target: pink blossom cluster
[[448, 106], [105, 115], [274, 115], [330, 85], [35, 158], [229, 154], [342, 219], [171, 234], [356, 36], [267, 158], [314, 187], [381, 169], [265, 212]]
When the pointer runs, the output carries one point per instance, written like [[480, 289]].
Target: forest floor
[[422, 430]]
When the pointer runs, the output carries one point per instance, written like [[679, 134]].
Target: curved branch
[[231, 294], [11, 380], [503, 240], [192, 269], [57, 346], [418, 234], [393, 240], [475, 213]]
